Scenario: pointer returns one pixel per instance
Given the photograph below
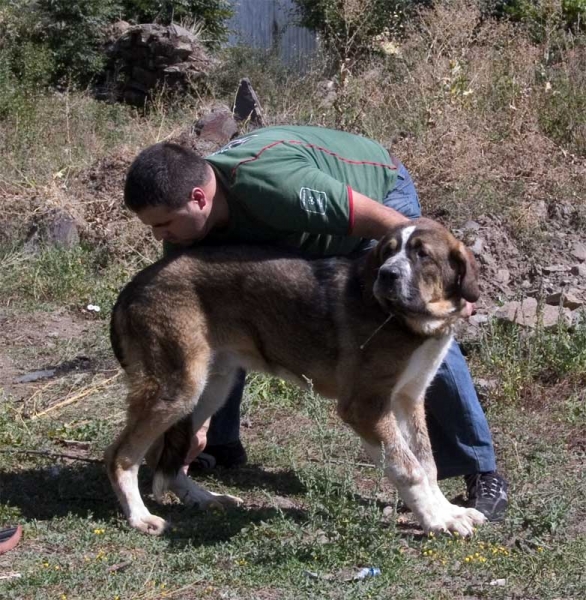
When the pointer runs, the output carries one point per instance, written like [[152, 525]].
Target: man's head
[[171, 189]]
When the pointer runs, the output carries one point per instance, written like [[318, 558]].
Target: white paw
[[192, 495], [223, 500], [454, 519], [148, 523]]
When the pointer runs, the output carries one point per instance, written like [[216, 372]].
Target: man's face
[[182, 226]]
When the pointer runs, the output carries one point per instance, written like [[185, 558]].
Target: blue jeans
[[459, 433]]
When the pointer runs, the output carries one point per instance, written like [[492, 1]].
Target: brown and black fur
[[183, 327]]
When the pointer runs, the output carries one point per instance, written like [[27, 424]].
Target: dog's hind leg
[[123, 459], [152, 410], [219, 384]]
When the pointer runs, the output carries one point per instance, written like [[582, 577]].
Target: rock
[[471, 226], [478, 320], [144, 57], [62, 230], [218, 126], [503, 275], [247, 105], [555, 269], [477, 247], [486, 259], [579, 251], [539, 209], [528, 313], [579, 270], [54, 228], [568, 299]]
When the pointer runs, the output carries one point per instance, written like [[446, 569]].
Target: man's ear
[[468, 273], [199, 196]]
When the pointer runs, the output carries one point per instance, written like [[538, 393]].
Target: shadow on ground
[[83, 491]]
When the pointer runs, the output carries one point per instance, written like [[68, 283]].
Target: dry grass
[[487, 120]]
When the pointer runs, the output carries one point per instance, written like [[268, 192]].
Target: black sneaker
[[228, 455], [487, 493]]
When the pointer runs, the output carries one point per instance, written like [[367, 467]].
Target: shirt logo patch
[[313, 201], [233, 144]]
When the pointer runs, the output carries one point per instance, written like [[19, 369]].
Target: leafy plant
[[213, 15]]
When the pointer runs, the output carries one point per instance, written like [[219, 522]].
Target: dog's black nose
[[389, 274]]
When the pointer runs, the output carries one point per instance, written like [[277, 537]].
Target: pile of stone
[[144, 58]]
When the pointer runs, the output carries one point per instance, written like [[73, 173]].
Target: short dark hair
[[164, 175]]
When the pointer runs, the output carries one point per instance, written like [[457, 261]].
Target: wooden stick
[[50, 454], [76, 397]]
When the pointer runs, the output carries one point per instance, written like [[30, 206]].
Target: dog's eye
[[389, 249], [422, 252]]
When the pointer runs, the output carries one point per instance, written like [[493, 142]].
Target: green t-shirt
[[292, 186]]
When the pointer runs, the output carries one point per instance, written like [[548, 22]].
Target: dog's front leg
[[410, 418]]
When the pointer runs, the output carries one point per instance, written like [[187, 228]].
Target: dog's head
[[422, 272]]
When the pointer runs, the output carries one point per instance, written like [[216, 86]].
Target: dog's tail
[[172, 450]]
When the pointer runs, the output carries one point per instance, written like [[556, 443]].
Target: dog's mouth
[[396, 302]]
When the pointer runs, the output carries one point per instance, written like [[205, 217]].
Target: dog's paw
[[150, 524], [224, 500], [193, 495], [455, 520]]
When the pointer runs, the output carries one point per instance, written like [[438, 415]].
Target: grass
[[311, 506], [313, 515]]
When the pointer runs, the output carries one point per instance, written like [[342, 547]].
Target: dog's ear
[[468, 273], [371, 263]]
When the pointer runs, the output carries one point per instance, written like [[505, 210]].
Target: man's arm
[[373, 220]]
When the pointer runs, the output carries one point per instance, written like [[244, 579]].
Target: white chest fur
[[422, 367]]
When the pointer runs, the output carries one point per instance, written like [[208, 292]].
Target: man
[[324, 193]]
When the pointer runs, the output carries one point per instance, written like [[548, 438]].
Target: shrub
[[69, 36], [211, 14], [351, 28]]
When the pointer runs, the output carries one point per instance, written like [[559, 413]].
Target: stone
[[218, 126], [568, 299], [61, 230], [478, 320], [247, 105], [326, 89], [555, 269], [539, 209], [486, 259], [477, 247], [503, 275], [149, 55], [528, 313], [579, 251], [579, 270], [471, 226]]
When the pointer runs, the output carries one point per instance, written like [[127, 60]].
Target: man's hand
[[198, 443], [468, 310]]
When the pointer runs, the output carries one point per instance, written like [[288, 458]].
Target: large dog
[[369, 332]]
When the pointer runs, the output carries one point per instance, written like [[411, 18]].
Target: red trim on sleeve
[[350, 210]]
